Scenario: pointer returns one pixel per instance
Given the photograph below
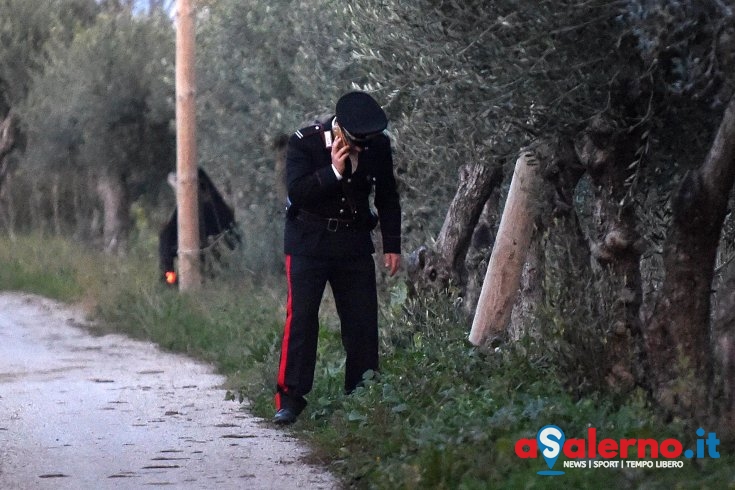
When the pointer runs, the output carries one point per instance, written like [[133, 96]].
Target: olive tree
[[620, 101], [265, 69], [103, 107], [26, 29]]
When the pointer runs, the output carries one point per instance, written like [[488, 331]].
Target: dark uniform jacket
[[333, 218]]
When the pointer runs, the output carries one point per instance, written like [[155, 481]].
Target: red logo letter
[[526, 448]]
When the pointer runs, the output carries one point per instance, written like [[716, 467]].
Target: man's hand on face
[[340, 153]]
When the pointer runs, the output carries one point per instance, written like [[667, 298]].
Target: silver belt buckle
[[332, 224]]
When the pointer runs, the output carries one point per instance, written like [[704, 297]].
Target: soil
[[79, 411]]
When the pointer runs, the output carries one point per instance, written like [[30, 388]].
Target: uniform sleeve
[[308, 181], [387, 203]]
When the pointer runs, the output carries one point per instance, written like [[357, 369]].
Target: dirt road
[[84, 412]]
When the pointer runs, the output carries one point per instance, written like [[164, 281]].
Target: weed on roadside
[[440, 414]]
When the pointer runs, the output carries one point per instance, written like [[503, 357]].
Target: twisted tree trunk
[[677, 337], [445, 262], [607, 152]]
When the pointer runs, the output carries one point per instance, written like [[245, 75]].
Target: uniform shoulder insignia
[[309, 131]]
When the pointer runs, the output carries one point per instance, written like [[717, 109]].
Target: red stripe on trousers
[[286, 336]]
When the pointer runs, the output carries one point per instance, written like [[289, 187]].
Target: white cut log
[[502, 279]]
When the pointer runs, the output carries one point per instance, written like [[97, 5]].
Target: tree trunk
[[557, 232], [607, 153], [112, 190], [56, 202], [445, 263], [677, 338], [8, 133], [81, 220], [476, 182], [7, 205], [478, 255], [38, 220], [500, 288], [530, 293], [725, 349]]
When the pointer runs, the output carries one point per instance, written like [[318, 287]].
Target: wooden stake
[[502, 279], [186, 150]]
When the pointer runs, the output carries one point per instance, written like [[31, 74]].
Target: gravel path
[[85, 412]]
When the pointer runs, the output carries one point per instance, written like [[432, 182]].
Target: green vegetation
[[630, 93], [441, 414], [32, 264]]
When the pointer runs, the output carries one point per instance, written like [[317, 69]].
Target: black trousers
[[352, 281]]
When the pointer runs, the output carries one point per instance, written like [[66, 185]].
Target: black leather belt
[[331, 224]]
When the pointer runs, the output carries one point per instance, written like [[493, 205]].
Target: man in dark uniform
[[331, 170], [216, 224]]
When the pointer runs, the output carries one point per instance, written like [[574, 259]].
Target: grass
[[441, 414], [32, 264]]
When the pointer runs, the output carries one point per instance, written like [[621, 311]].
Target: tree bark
[[557, 235], [500, 288], [476, 182], [478, 255], [725, 350], [7, 206], [112, 190], [8, 133], [38, 220], [530, 293], [56, 202], [677, 338], [445, 263], [607, 152]]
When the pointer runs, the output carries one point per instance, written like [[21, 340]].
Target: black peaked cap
[[360, 114]]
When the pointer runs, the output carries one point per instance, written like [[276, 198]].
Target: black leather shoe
[[284, 416]]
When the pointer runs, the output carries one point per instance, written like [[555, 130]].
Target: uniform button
[[343, 199], [341, 211], [349, 180]]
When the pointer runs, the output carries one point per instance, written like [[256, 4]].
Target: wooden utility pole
[[503, 276], [186, 150]]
